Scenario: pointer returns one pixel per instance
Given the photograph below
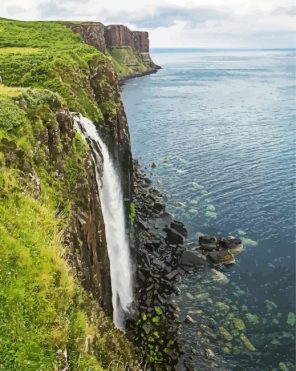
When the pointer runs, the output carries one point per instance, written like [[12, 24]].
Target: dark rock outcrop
[[93, 33], [158, 249], [220, 250], [192, 259], [118, 36], [115, 127], [85, 234]]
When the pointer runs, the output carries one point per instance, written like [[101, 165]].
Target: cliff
[[129, 50], [55, 286]]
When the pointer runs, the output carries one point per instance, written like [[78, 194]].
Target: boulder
[[142, 223], [171, 276], [173, 237], [209, 354], [219, 276], [141, 277], [189, 319], [158, 206], [191, 258], [147, 181], [234, 245], [208, 242], [221, 257], [152, 245], [179, 227]]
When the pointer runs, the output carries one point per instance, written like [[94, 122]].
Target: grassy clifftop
[[50, 56], [47, 320]]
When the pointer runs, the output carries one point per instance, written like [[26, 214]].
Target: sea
[[220, 126]]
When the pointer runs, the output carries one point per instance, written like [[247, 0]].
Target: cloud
[[66, 9], [187, 23], [288, 10], [15, 10], [167, 16], [51, 9]]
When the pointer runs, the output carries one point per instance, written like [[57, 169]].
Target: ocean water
[[220, 124]]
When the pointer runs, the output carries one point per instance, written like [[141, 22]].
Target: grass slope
[[47, 321], [50, 56]]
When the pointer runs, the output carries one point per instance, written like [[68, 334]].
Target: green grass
[[132, 214], [16, 50], [126, 61], [49, 55], [43, 309], [6, 91]]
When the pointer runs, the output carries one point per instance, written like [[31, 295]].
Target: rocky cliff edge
[[129, 50]]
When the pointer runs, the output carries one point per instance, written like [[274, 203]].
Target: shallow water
[[221, 127]]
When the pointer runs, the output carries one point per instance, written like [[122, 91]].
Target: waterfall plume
[[111, 196]]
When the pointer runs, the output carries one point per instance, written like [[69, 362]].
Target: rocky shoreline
[[162, 259], [159, 244], [123, 79]]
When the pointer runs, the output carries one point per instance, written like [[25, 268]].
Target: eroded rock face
[[115, 127], [134, 44], [118, 36], [87, 238], [141, 41], [93, 33], [85, 234]]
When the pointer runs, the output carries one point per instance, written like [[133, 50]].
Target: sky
[[177, 23]]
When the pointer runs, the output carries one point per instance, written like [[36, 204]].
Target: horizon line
[[225, 48]]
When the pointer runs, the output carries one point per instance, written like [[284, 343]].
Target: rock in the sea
[[234, 245], [173, 237], [239, 324], [221, 257], [147, 180], [247, 343], [219, 276], [209, 354], [208, 242], [249, 242], [154, 165], [189, 319], [226, 334], [179, 227], [158, 206]]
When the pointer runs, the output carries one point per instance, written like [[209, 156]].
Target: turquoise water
[[221, 127]]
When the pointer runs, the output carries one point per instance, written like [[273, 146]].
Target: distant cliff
[[129, 49]]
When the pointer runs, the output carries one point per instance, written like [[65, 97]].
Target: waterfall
[[111, 196]]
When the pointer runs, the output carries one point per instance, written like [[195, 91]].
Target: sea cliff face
[[129, 49], [52, 226]]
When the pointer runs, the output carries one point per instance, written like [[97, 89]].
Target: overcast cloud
[[177, 23]]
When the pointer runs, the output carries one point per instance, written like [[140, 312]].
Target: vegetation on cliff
[[126, 62], [50, 56], [47, 320]]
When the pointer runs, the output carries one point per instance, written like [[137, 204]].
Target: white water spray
[[111, 197]]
